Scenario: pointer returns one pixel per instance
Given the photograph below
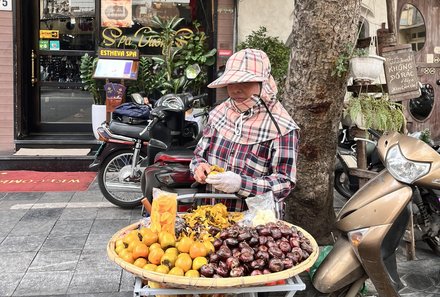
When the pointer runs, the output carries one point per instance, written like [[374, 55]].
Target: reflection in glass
[[65, 105], [73, 19], [143, 12], [60, 68], [412, 28], [421, 107]]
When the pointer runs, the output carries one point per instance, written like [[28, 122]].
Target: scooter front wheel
[[342, 182], [116, 181]]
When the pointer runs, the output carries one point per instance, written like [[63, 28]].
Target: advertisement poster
[[116, 13]]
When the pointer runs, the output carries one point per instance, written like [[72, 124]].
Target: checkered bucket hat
[[247, 65]]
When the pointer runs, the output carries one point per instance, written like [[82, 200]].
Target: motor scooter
[[346, 182], [374, 220], [169, 154], [118, 159], [122, 158]]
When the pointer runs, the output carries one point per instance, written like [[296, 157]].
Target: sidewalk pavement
[[54, 244]]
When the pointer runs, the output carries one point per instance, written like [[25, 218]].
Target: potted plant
[[181, 52], [342, 64], [87, 68], [366, 68], [368, 111], [362, 65]]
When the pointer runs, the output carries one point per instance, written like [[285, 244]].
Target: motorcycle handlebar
[[152, 123], [374, 133], [199, 96]]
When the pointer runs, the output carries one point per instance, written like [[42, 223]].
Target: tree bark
[[314, 98]]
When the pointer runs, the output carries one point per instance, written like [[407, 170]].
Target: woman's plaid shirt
[[263, 167]]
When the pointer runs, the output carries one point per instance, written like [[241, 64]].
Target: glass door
[[63, 32]]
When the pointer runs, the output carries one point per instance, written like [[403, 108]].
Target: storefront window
[[60, 68], [72, 22], [412, 27]]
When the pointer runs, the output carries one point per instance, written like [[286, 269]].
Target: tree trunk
[[314, 98]]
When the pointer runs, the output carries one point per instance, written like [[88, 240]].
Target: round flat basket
[[174, 281]]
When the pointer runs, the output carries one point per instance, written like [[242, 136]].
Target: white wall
[[276, 16]]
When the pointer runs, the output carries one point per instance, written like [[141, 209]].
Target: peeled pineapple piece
[[216, 169]]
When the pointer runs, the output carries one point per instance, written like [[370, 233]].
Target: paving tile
[[79, 214], [56, 197], [64, 242], [108, 226], [11, 215], [7, 227], [28, 243], [23, 197], [94, 187], [96, 282], [32, 227], [15, 262], [108, 294], [97, 241], [88, 196], [55, 260], [55, 282], [134, 221], [8, 283], [114, 213], [95, 261], [42, 214], [127, 281], [7, 205], [66, 227], [136, 213]]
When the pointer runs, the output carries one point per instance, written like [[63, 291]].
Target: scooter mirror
[[137, 98], [192, 71]]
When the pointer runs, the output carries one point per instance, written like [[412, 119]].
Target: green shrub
[[276, 50]]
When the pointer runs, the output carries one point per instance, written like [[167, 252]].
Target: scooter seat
[[128, 130], [175, 155]]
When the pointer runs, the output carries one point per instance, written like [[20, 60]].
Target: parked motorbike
[[345, 182], [119, 159], [425, 203], [374, 220], [122, 157], [171, 146]]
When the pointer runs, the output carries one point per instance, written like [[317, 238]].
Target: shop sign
[[401, 73], [54, 45], [117, 13], [224, 52], [43, 45], [118, 53], [114, 37], [6, 5], [49, 34]]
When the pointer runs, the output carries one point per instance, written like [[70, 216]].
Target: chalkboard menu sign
[[401, 73]]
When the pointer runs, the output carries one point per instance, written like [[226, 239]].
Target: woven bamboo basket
[[174, 281]]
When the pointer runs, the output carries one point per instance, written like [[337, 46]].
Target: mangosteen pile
[[248, 251]]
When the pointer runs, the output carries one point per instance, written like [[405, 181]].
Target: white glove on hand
[[227, 182]]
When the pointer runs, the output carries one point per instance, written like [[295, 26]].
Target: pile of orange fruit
[[160, 252]]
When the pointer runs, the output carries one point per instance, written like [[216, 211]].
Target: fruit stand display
[[208, 250]]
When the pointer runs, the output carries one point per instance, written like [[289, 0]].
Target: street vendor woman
[[250, 135]]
